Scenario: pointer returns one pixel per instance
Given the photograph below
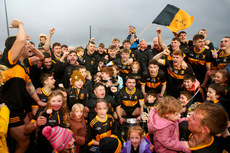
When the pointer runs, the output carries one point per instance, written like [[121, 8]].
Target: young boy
[[185, 97], [214, 93], [76, 93], [88, 84], [80, 53], [192, 85], [149, 104], [101, 126]]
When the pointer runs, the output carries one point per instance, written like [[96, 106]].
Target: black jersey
[[198, 61], [175, 78], [43, 97], [131, 99], [149, 106], [99, 129], [153, 82], [124, 68], [76, 97], [216, 144], [222, 60]]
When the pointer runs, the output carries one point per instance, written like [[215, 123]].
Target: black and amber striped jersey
[[124, 68], [43, 97], [198, 61], [99, 129], [76, 97], [175, 77], [153, 82], [131, 99], [222, 60], [148, 106]]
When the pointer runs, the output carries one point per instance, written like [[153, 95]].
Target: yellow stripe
[[196, 61], [129, 103], [174, 75], [203, 146], [91, 142], [103, 135], [153, 85]]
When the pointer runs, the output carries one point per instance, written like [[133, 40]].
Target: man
[[200, 59], [17, 83], [123, 63], [207, 121], [90, 58], [116, 42], [151, 53], [143, 49], [223, 56], [175, 44], [57, 52], [175, 71], [63, 70], [185, 44], [154, 79], [132, 101]]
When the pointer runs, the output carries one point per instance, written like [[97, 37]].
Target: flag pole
[[7, 25], [143, 31]]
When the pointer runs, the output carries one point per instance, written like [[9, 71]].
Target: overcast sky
[[110, 19]]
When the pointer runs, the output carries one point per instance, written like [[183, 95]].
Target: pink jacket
[[166, 134]]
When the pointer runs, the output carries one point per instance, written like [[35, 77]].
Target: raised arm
[[160, 40], [38, 54], [20, 42], [159, 55], [48, 40]]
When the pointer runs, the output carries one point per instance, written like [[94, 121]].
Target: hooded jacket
[[166, 134], [78, 127], [143, 147]]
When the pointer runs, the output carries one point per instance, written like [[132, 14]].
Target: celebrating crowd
[[59, 98]]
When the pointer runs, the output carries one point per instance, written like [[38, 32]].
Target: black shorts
[[16, 119], [129, 110]]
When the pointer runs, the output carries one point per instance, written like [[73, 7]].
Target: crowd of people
[[66, 99]]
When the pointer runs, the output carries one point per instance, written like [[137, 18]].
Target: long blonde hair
[[63, 108]]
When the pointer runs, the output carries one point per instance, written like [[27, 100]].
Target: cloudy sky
[[110, 19]]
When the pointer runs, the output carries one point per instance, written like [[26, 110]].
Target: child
[[164, 121], [136, 142], [4, 121], [221, 77], [80, 53], [76, 94], [88, 84], [55, 113], [77, 125], [42, 39], [116, 77], [136, 72], [214, 93], [61, 139], [192, 85], [185, 97], [101, 126]]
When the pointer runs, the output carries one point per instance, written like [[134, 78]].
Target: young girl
[[136, 72], [163, 121], [136, 142], [77, 125], [221, 77], [55, 113], [61, 139]]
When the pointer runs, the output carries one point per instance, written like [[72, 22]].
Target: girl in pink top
[[164, 121]]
